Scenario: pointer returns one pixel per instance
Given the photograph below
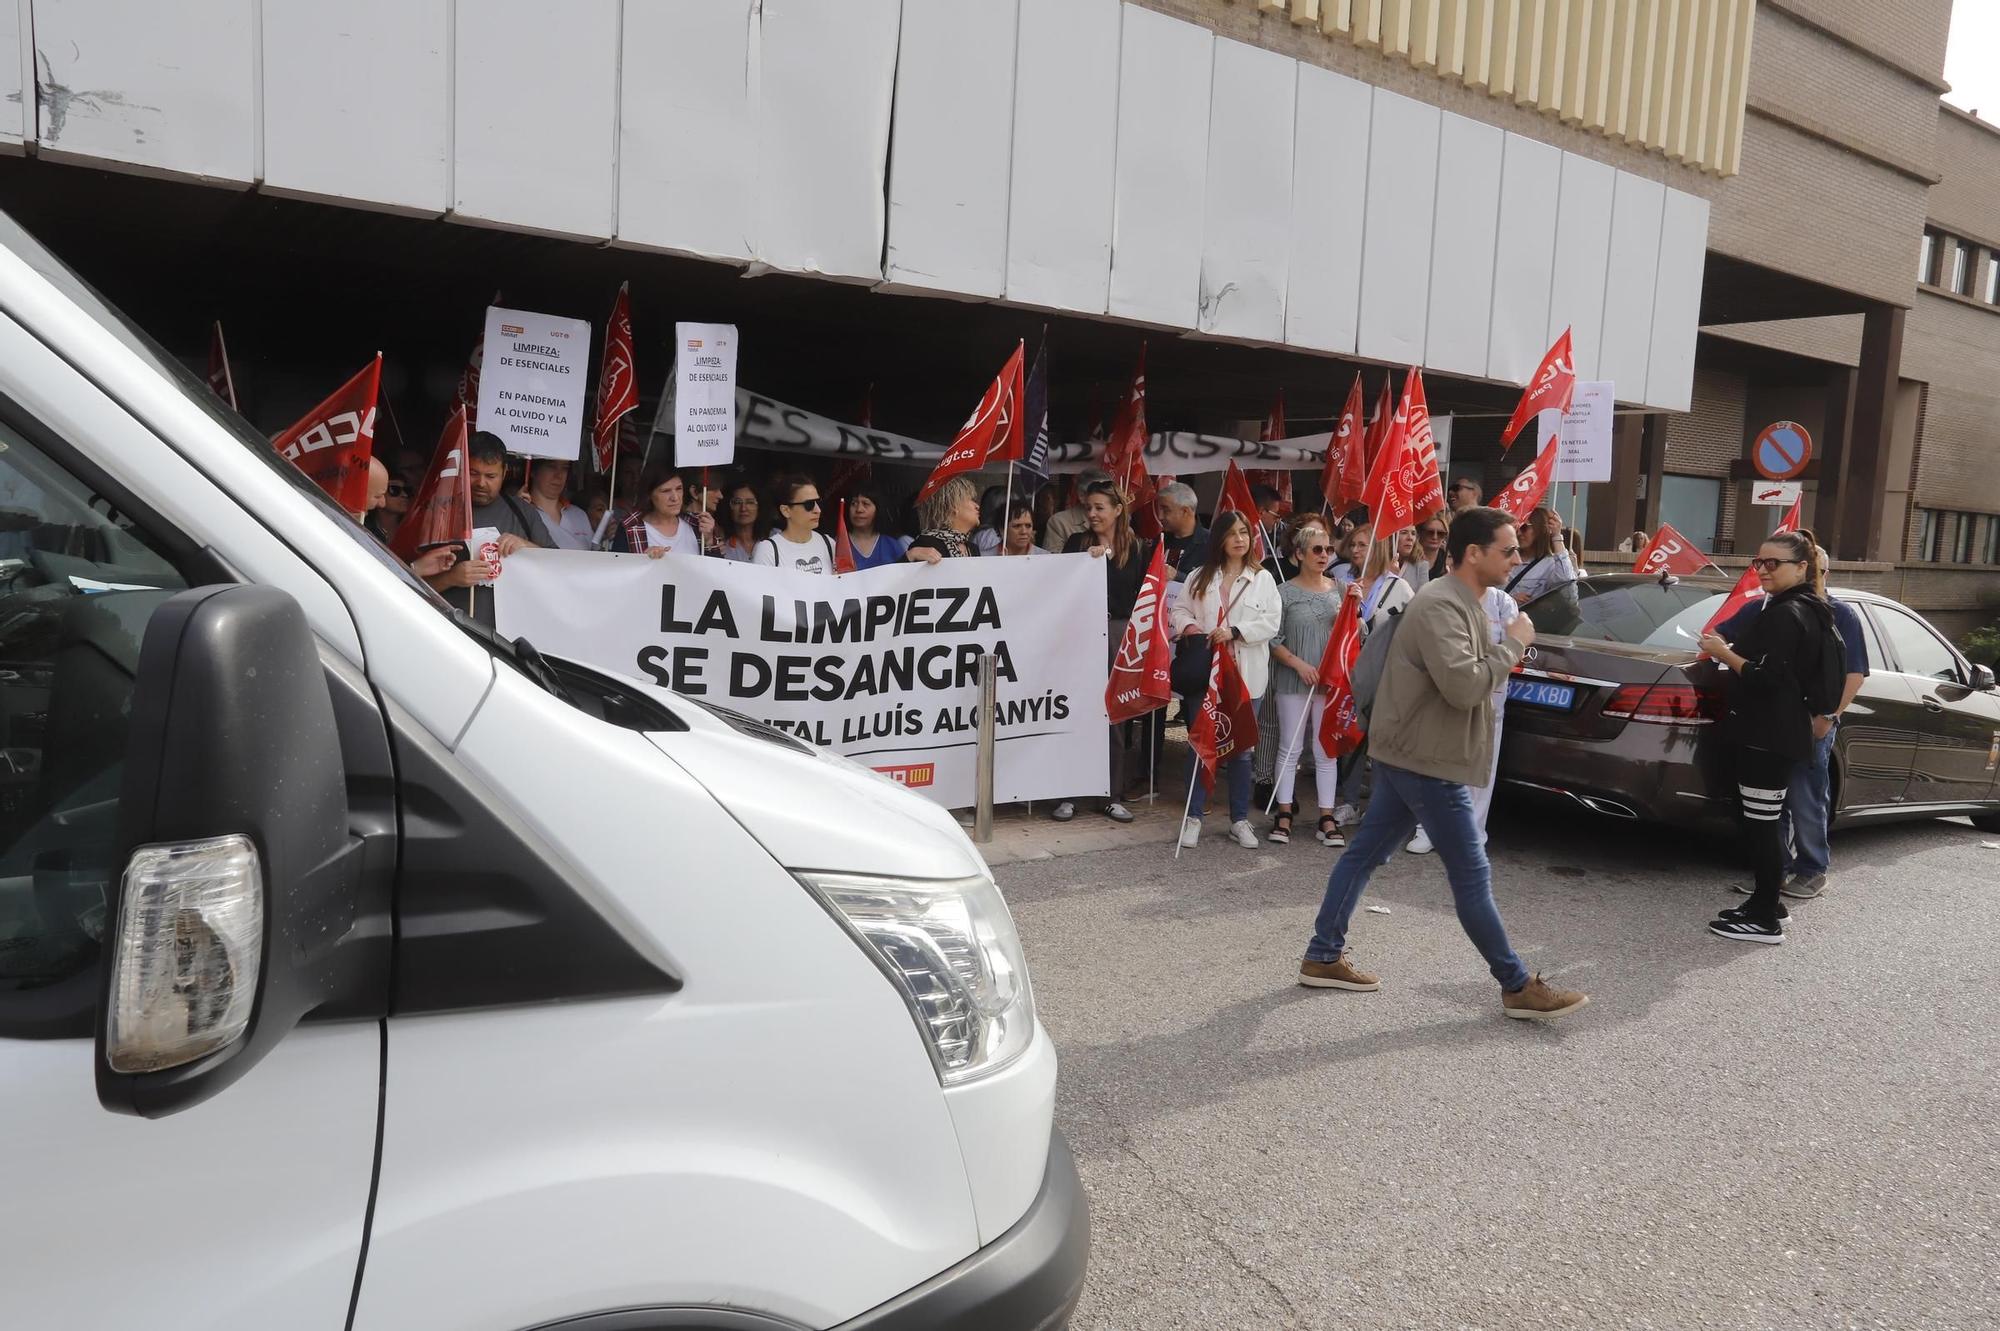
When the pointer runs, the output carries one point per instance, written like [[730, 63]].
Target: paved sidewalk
[[1019, 837]]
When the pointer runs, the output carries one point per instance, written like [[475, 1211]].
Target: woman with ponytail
[[1780, 666]]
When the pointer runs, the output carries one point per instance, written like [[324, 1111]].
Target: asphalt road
[[1729, 1136]]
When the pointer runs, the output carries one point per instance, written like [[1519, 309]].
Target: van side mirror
[[1982, 678], [238, 877]]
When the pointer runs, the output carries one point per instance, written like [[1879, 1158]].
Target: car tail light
[[1665, 704]]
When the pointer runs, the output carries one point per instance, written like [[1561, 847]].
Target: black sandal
[[1281, 825], [1329, 831]]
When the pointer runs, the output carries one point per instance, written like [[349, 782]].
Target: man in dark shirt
[[519, 526], [1808, 798], [1186, 539], [1464, 493]]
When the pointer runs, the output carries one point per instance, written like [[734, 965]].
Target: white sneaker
[[1345, 816], [1244, 836], [1420, 844], [1190, 832], [1063, 812]]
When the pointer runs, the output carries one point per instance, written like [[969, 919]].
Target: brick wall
[[1911, 32], [1955, 347], [1801, 74], [1967, 200], [1704, 441]]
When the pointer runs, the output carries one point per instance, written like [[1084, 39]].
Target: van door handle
[[1932, 704]]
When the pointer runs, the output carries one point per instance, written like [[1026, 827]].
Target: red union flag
[[1226, 719], [1274, 430], [1125, 446], [442, 510], [1747, 588], [1552, 389], [1345, 474], [617, 381], [1525, 491], [1340, 730], [843, 546], [1235, 498], [333, 442], [1670, 552], [1421, 482], [220, 381], [1378, 427], [1139, 673], [1387, 495], [992, 433]]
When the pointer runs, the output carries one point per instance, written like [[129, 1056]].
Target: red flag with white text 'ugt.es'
[[1340, 730], [992, 433], [1345, 474], [1226, 720], [1552, 389], [1387, 494], [1420, 464], [441, 513], [333, 442], [1525, 491], [1670, 552], [617, 382], [1141, 671]]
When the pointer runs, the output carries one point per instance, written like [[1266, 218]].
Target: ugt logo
[[1132, 647]]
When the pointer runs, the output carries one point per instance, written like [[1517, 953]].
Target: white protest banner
[[704, 395], [1585, 453], [532, 385], [766, 423], [880, 665]]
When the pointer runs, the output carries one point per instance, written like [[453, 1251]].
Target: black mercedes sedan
[[1615, 710]]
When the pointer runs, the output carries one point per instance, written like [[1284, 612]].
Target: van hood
[[810, 807]]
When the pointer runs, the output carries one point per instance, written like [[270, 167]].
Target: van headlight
[[949, 947]]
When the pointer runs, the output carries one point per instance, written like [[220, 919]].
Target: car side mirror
[[238, 876], [1982, 678]]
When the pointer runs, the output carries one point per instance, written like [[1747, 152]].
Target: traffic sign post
[[1781, 451]]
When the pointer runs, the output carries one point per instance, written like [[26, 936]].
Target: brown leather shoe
[[1336, 974], [1538, 1001]]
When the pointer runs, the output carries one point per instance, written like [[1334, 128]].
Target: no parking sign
[[1781, 451]]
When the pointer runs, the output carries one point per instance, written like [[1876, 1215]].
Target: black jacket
[[1767, 704]]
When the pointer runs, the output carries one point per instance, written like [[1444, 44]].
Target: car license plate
[[1542, 693]]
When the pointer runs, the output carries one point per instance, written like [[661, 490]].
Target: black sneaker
[[1746, 931], [1743, 913]]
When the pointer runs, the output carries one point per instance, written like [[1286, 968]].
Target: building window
[[1961, 548], [1693, 506], [1991, 287], [1932, 258], [1991, 558], [1961, 267], [1927, 534]]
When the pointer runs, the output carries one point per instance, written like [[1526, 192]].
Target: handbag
[[1188, 676]]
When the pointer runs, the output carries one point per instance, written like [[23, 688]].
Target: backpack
[[1822, 681], [1372, 663]]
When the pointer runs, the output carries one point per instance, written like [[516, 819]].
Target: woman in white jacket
[[1234, 604]]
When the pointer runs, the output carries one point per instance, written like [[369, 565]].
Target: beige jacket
[[1434, 708]]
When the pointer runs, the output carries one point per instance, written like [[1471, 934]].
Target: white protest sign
[[880, 665], [531, 382], [1585, 451], [704, 395]]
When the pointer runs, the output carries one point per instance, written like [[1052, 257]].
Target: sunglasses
[[398, 490], [1771, 565], [1319, 549], [811, 505]]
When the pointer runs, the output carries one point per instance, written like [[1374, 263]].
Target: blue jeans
[[1401, 801], [1237, 767], [1808, 808]]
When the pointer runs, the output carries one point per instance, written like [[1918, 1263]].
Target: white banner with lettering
[[531, 381], [880, 665]]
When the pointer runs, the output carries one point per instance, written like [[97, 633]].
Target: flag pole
[[1007, 508], [1305, 719], [1193, 773]]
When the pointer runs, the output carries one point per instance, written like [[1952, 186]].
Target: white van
[[361, 971]]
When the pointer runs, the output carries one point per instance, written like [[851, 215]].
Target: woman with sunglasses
[[1545, 559], [1309, 603], [1429, 552], [799, 544], [1352, 552], [1383, 590], [1233, 602], [741, 510], [1769, 720], [873, 547]]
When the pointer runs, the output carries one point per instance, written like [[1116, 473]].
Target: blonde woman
[[1310, 602], [950, 516]]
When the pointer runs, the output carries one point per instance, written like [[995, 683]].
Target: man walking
[[1431, 736]]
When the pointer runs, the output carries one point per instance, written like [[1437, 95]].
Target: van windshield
[[36, 256]]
